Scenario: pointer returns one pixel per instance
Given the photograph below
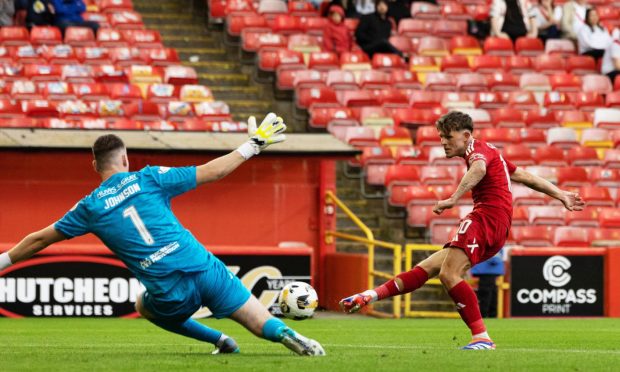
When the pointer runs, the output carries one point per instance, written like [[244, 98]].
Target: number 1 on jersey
[[132, 213]]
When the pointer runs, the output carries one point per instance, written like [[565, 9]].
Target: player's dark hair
[[104, 148], [455, 120]]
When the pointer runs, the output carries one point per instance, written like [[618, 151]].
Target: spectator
[[336, 37], [364, 7], [573, 18], [611, 59], [548, 18], [38, 13], [347, 5], [69, 13], [487, 273], [374, 30], [512, 19], [7, 11], [593, 38], [399, 9]]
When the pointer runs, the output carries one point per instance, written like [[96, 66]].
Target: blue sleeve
[[174, 181], [75, 222]]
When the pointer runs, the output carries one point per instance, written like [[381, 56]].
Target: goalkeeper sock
[[467, 306], [189, 328], [273, 329], [409, 281]]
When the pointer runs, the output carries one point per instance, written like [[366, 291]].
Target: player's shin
[[275, 330], [467, 306], [403, 283]]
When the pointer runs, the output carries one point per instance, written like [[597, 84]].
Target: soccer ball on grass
[[298, 300]]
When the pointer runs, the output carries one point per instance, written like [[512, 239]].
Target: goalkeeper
[[130, 212]]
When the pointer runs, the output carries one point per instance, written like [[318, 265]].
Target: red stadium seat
[[322, 96], [37, 72], [61, 55], [402, 43], [341, 79], [565, 83], [425, 11], [324, 117], [387, 62], [503, 82], [540, 119], [125, 57], [432, 46], [573, 119], [93, 55], [14, 35], [596, 196], [523, 195], [518, 154], [561, 47], [374, 79], [612, 100], [471, 82], [487, 64], [271, 59], [411, 195], [399, 176], [450, 28], [354, 61], [562, 137], [323, 61], [375, 162], [45, 35], [508, 118], [309, 79], [612, 159], [128, 93], [236, 22], [580, 156], [566, 236], [522, 100], [605, 177], [394, 136], [498, 46], [391, 98], [115, 5], [519, 65], [437, 156], [302, 9], [423, 64], [529, 46], [458, 100], [403, 79], [557, 101], [535, 82], [434, 175], [286, 24], [585, 218], [143, 38], [550, 156], [455, 63], [108, 37], [356, 98], [427, 136], [581, 65], [596, 137], [415, 27], [464, 45], [180, 75], [572, 177], [90, 91], [419, 215], [499, 137], [143, 111], [10, 109], [480, 117], [549, 64], [413, 155], [609, 218], [546, 215], [425, 99], [587, 101], [439, 81], [604, 237], [58, 91], [596, 83], [161, 93], [455, 11], [520, 216], [375, 115], [213, 111], [607, 118], [534, 236]]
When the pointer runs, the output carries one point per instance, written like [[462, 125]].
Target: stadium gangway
[[371, 244], [502, 286]]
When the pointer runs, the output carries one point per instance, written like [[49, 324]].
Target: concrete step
[[204, 54], [242, 92], [206, 67], [161, 17]]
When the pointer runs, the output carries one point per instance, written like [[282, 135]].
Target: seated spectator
[[512, 19], [399, 9], [336, 37], [593, 38], [374, 30], [548, 18], [69, 13], [573, 18], [347, 5], [611, 59], [38, 13], [7, 11]]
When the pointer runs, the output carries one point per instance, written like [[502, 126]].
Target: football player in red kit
[[481, 234]]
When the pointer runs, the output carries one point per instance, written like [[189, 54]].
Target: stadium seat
[[612, 158], [10, 109], [302, 9], [314, 25], [58, 91], [596, 196], [535, 82], [607, 118], [322, 96], [449, 28], [373, 79], [439, 81], [596, 83], [425, 99], [143, 111], [573, 176], [361, 136], [580, 156], [419, 215], [487, 64], [143, 38], [471, 82], [434, 175], [566, 236], [587, 101], [341, 79], [375, 162], [309, 79], [557, 101], [562, 137], [410, 27], [561, 47], [522, 100], [550, 156], [596, 137], [323, 61], [423, 64], [391, 98], [387, 62], [393, 136], [604, 237], [425, 11], [91, 91], [411, 195], [459, 101], [605, 177], [499, 137], [210, 111], [520, 216], [375, 116], [427, 136], [464, 45], [432, 46], [541, 119], [403, 79], [546, 215], [573, 118], [581, 65], [612, 100], [609, 218], [518, 154], [45, 35], [491, 100], [449, 217], [413, 155], [588, 217], [356, 98], [37, 73], [180, 75], [402, 43], [93, 55], [519, 65], [503, 82], [498, 46], [271, 8], [286, 24], [437, 156], [455, 63], [529, 46], [565, 82], [303, 43], [400, 176], [549, 64], [14, 36], [25, 90], [354, 61], [534, 236], [109, 38], [324, 117], [110, 6], [26, 54], [508, 118]]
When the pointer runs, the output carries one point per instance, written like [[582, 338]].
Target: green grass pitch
[[354, 343]]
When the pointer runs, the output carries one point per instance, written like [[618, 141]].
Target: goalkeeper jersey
[[130, 212]]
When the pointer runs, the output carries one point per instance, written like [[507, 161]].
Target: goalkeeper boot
[[480, 344], [228, 346], [301, 345], [354, 303]]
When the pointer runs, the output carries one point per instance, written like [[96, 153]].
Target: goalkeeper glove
[[270, 131]]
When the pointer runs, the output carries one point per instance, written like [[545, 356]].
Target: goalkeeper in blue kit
[[130, 212]]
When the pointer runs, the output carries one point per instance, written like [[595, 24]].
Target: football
[[298, 300]]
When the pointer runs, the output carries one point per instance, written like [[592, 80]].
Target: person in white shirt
[[611, 59], [593, 38], [547, 17], [573, 18]]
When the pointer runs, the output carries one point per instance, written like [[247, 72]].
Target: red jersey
[[492, 195]]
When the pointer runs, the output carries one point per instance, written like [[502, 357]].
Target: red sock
[[412, 280], [467, 306]]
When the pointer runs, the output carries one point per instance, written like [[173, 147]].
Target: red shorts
[[480, 236]]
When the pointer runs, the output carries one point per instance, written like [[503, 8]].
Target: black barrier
[[560, 285], [96, 286]]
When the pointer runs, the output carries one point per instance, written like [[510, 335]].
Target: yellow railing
[[409, 249], [371, 243]]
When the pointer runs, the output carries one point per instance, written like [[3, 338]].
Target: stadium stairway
[[182, 25]]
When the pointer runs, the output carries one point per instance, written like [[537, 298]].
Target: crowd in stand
[[575, 20], [59, 13]]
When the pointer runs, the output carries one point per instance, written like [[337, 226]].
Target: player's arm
[[269, 132], [572, 201], [30, 245], [474, 175]]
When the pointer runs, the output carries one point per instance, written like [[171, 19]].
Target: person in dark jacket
[[38, 13], [336, 37], [399, 9], [69, 13], [374, 31]]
